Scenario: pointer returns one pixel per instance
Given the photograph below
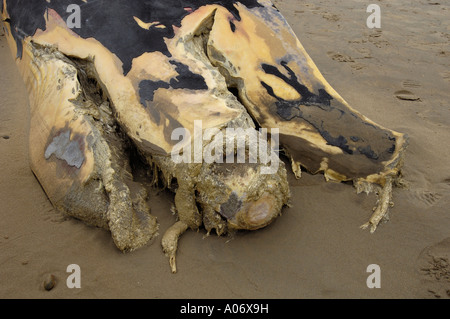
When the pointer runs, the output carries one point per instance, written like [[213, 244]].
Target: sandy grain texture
[[399, 76]]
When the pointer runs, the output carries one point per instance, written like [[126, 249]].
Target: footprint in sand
[[447, 181], [406, 95], [340, 57], [429, 198], [331, 17], [376, 38], [412, 84], [345, 58], [433, 265], [425, 197], [358, 66], [446, 75]]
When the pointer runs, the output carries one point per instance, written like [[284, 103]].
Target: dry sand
[[316, 248]]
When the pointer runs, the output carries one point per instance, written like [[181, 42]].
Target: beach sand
[[398, 76]]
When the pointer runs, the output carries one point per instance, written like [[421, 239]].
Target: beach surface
[[397, 75]]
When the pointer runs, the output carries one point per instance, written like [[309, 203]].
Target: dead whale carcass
[[135, 72]]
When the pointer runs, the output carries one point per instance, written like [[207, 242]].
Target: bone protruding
[[170, 242], [381, 210]]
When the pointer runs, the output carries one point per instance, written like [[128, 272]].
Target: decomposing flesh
[[136, 71]]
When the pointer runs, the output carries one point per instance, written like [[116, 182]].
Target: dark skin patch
[[232, 26], [231, 206], [339, 127], [184, 80], [322, 99], [147, 90], [111, 22]]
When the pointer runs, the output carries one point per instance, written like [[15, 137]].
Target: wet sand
[[398, 76]]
